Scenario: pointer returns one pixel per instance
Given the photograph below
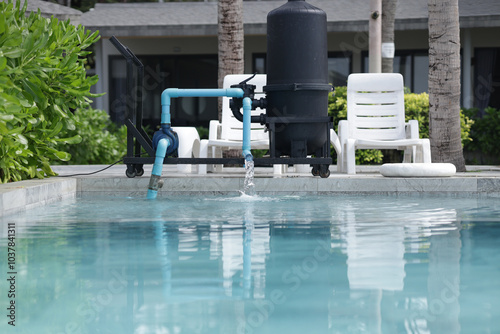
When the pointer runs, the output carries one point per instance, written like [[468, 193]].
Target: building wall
[[147, 46], [354, 43], [485, 37]]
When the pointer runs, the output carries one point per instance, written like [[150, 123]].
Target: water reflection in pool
[[258, 265]]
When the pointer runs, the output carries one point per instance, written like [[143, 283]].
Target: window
[[486, 78], [413, 65], [161, 72], [259, 63], [339, 66]]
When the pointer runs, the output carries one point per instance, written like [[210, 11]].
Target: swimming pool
[[268, 264]]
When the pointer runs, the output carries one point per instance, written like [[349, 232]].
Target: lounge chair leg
[[426, 150], [409, 154], [277, 169], [350, 157], [202, 169], [340, 162]]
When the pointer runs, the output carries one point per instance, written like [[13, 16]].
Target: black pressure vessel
[[297, 77]]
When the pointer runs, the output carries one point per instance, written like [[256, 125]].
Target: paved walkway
[[172, 171], [77, 181]]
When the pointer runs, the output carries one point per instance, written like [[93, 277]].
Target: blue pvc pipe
[[163, 144], [176, 92], [161, 152], [247, 112]]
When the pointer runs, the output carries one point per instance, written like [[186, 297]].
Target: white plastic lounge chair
[[189, 145], [376, 120], [228, 134]]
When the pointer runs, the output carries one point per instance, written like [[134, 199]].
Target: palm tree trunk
[[230, 34], [444, 83], [388, 17], [231, 47]]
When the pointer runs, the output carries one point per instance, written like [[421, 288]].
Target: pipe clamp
[[155, 182]]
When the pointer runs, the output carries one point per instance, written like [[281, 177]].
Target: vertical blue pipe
[[247, 113], [155, 182]]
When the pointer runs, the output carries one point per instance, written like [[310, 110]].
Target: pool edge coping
[[26, 195]]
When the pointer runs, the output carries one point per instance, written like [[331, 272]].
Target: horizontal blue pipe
[[208, 92]]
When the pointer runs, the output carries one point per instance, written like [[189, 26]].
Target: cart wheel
[[315, 170], [139, 170], [130, 172], [325, 174], [324, 171]]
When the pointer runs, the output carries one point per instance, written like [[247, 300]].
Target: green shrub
[[202, 132], [103, 142], [337, 105], [416, 107], [466, 124], [485, 133], [42, 78]]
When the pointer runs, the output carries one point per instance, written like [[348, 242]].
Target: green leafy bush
[[103, 142], [485, 133], [42, 78], [337, 105], [202, 132], [416, 107]]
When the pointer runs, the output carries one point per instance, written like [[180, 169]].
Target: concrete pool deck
[[26, 195]]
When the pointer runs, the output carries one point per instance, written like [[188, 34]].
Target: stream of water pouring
[[249, 186]]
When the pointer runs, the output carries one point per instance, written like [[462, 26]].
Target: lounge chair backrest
[[232, 129], [375, 106]]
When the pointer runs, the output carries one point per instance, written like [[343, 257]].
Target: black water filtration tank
[[297, 77]]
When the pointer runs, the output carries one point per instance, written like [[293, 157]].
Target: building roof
[[200, 18], [48, 9]]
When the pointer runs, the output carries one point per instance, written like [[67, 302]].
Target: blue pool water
[[290, 264]]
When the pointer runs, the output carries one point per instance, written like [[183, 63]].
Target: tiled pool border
[[26, 195]]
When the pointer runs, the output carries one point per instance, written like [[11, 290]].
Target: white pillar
[[375, 31], [468, 97]]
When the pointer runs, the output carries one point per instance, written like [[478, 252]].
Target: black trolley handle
[[125, 51]]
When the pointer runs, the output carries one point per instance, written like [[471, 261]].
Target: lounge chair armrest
[[343, 132], [334, 140], [213, 130], [412, 130]]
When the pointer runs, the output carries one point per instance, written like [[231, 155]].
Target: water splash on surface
[[249, 186]]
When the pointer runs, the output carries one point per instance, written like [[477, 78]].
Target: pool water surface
[[259, 264]]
